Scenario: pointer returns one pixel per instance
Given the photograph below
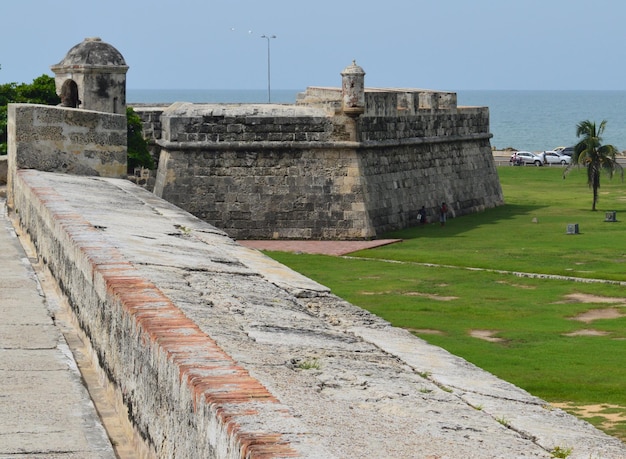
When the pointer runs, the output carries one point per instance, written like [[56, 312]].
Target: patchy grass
[[508, 238], [536, 338]]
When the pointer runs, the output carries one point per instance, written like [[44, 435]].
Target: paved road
[[501, 158], [45, 411]]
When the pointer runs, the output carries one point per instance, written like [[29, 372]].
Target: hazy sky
[[434, 44]]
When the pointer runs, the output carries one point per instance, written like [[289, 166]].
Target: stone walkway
[[45, 411], [333, 380]]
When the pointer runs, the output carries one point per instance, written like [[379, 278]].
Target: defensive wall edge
[[203, 339], [183, 394], [65, 140], [310, 172]]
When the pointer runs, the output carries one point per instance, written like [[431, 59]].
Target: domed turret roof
[[93, 51], [353, 69]]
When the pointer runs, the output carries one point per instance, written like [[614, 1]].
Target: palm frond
[[590, 153]]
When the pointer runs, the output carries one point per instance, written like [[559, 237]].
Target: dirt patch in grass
[[425, 331], [431, 296], [487, 335], [612, 416], [596, 314], [587, 332], [586, 298]]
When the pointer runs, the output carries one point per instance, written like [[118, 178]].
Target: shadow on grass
[[464, 223]]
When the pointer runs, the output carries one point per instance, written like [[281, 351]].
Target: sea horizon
[[533, 119], [207, 96]]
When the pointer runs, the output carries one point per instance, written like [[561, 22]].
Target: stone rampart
[[309, 172], [71, 141], [269, 191], [184, 395], [217, 351], [214, 350], [400, 182]]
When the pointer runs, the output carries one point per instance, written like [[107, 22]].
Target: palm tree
[[590, 153]]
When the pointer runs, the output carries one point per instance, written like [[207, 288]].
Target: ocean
[[542, 120], [221, 96], [524, 120]]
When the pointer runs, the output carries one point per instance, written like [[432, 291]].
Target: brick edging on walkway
[[157, 345]]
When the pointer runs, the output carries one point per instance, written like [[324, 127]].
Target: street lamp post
[[269, 91]]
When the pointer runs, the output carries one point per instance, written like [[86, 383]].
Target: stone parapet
[[220, 352], [382, 101], [440, 124], [184, 122], [185, 396], [71, 141]]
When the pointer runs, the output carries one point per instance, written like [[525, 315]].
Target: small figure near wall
[[421, 216], [443, 213]]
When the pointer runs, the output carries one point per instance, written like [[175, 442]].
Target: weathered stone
[[404, 152], [97, 71], [215, 347], [59, 139]]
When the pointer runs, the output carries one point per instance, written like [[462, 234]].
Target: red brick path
[[337, 248]]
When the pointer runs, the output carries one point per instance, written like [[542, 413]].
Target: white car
[[554, 157], [525, 157]]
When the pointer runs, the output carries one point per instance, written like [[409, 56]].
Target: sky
[[446, 45]]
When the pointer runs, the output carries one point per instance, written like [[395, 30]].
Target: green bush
[[138, 154], [41, 91]]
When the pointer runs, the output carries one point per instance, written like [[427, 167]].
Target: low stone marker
[[572, 228]]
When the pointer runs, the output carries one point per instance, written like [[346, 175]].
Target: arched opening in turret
[[69, 94]]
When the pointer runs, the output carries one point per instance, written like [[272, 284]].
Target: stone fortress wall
[[208, 345], [315, 170], [69, 141]]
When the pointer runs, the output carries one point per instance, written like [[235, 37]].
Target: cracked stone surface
[[356, 386]]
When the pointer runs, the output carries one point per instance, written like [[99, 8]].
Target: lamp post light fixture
[[269, 91]]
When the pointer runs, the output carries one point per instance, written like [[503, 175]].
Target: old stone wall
[[403, 180], [432, 126], [184, 395], [216, 351], [269, 192], [71, 141], [262, 171], [307, 171]]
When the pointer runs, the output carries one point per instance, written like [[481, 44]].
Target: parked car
[[569, 151], [553, 157], [520, 158]]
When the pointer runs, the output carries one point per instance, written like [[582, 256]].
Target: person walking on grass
[[443, 213]]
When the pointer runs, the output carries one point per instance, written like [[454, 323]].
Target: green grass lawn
[[536, 341], [529, 232]]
